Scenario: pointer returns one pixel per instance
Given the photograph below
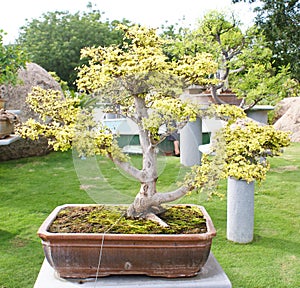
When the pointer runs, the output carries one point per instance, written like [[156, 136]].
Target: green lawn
[[31, 188]]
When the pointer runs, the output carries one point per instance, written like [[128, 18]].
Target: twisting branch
[[160, 198], [128, 168], [252, 104], [214, 95], [242, 68]]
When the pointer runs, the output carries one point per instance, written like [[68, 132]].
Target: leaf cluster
[[139, 57], [241, 150], [248, 145]]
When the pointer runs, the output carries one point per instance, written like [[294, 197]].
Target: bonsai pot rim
[[45, 235]]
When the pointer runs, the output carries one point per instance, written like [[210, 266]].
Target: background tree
[[12, 57], [55, 39], [280, 20]]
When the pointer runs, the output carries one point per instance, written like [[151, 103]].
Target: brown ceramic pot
[[204, 97], [76, 255], [228, 98]]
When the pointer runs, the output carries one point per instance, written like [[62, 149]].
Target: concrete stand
[[211, 276], [190, 139], [240, 210], [260, 113], [10, 139]]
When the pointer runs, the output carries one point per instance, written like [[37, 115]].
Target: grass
[[31, 188]]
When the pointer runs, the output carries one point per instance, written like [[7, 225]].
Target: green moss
[[99, 219]]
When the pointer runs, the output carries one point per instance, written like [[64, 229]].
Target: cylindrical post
[[240, 210], [190, 139]]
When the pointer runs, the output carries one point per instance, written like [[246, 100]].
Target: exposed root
[[152, 217], [140, 210]]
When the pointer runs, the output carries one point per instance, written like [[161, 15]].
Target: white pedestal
[[240, 210], [260, 113], [211, 276], [190, 139]]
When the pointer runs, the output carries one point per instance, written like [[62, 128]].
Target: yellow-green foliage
[[241, 150], [195, 68], [58, 118], [66, 124], [229, 113], [136, 69], [248, 144], [167, 111], [141, 54]]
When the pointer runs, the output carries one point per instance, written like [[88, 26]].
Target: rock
[[282, 107], [289, 109], [24, 148], [33, 75]]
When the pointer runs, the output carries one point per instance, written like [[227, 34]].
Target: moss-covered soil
[[99, 219]]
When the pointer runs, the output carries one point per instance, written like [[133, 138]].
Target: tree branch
[[160, 198], [215, 96], [225, 75], [128, 168], [252, 104], [242, 68]]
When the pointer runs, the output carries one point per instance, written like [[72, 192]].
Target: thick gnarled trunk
[[144, 202], [147, 203]]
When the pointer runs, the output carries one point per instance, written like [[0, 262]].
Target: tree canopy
[[141, 83], [138, 79], [55, 39]]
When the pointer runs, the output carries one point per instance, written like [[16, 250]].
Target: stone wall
[[33, 75]]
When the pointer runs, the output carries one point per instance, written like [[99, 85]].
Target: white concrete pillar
[[190, 139], [240, 210]]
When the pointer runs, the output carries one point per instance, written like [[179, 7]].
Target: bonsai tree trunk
[[147, 203]]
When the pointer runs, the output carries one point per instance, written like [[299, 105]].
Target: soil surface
[[111, 219]]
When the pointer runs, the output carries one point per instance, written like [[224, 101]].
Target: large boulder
[[33, 75], [288, 115]]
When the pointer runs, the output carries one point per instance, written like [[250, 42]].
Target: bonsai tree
[[244, 60], [137, 81]]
